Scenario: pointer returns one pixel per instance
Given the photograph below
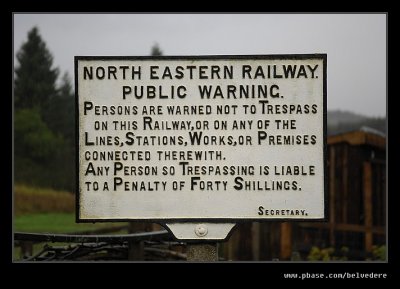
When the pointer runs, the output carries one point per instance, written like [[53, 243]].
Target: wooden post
[[26, 249], [206, 252], [232, 245], [332, 196], [255, 241], [367, 186], [345, 182], [286, 241], [136, 249]]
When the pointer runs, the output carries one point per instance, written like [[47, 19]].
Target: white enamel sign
[[206, 138]]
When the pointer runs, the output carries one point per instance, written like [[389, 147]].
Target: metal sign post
[[199, 143]]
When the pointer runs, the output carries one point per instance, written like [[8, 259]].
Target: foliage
[[379, 252], [61, 110], [42, 158], [33, 139], [61, 120], [156, 51], [44, 122], [327, 254], [55, 223], [44, 126], [35, 79]]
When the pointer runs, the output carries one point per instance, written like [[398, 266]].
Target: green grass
[[55, 223], [41, 210]]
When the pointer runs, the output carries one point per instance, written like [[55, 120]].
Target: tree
[[156, 51], [44, 130], [36, 148], [61, 112], [35, 79], [33, 139], [61, 120]]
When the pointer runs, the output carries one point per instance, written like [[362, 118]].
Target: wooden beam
[[345, 175], [345, 227], [332, 196], [286, 241], [232, 245], [367, 188], [358, 138], [135, 251], [255, 239]]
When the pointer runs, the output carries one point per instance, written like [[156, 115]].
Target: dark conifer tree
[[35, 77]]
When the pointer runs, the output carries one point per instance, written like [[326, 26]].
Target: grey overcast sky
[[355, 43]]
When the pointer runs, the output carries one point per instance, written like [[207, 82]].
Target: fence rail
[[156, 245], [163, 235]]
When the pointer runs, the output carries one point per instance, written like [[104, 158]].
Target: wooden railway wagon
[[356, 208]]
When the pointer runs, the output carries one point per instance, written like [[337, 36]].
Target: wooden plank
[[286, 241], [345, 175], [156, 227], [26, 249], [380, 230], [255, 234], [136, 251], [332, 196], [367, 188], [344, 188], [244, 247], [358, 138], [231, 247], [135, 227]]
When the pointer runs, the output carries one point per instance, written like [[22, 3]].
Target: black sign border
[[164, 221]]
